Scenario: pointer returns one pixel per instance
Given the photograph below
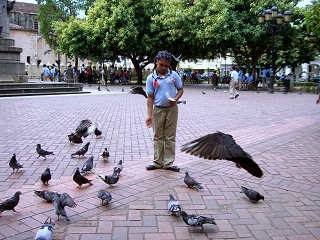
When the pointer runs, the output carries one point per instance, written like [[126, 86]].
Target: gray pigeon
[[46, 176], [105, 196], [88, 165], [79, 179], [46, 195], [43, 152], [66, 200], [14, 164], [85, 128], [222, 146], [196, 220], [58, 208], [105, 154], [174, 206], [46, 230], [111, 179], [118, 168], [10, 203], [253, 195], [82, 151], [191, 183]]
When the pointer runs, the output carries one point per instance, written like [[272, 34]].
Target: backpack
[[268, 74]]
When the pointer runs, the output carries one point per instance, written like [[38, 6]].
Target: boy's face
[[162, 66]]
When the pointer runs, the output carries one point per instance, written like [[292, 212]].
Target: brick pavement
[[280, 132]]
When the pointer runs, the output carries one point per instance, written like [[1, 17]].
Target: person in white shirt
[[233, 83]]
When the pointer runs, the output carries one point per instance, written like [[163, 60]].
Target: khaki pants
[[233, 91], [164, 123]]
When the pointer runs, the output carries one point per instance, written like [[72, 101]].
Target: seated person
[[250, 81]]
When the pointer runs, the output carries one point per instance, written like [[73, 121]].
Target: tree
[[232, 27], [312, 24]]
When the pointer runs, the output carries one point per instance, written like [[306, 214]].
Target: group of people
[[50, 73]]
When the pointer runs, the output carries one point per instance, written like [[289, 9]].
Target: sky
[[301, 4]]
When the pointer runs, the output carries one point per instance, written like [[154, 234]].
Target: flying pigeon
[[46, 176], [138, 90], [178, 59], [191, 183], [46, 230], [118, 168], [181, 101], [97, 132], [174, 206], [74, 139], [46, 195], [66, 200], [88, 165], [253, 195], [10, 203], [79, 179], [58, 208], [14, 164], [105, 154], [85, 128], [196, 220], [222, 146], [81, 151], [43, 152], [111, 179], [99, 88], [105, 196]]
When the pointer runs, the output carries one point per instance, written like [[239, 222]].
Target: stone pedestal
[[69, 78], [12, 70]]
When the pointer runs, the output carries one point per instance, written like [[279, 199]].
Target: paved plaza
[[281, 132]]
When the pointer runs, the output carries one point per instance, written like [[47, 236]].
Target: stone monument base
[[12, 70]]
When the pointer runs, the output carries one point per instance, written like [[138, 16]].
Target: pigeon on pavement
[[174, 206], [196, 220], [46, 230], [118, 168], [203, 92], [88, 165], [253, 195], [191, 183], [14, 164], [43, 152], [10, 203], [110, 179], [105, 154], [99, 88], [46, 195], [97, 132], [222, 146], [58, 208], [82, 151], [85, 128], [66, 200], [79, 179], [74, 139], [138, 90], [46, 176], [105, 196]]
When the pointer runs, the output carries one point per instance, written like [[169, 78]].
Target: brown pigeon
[[138, 90]]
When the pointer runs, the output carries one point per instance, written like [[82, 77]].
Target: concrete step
[[39, 88]]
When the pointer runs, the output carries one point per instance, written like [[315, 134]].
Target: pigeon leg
[[202, 229]]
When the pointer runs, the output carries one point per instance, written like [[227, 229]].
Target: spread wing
[[222, 146]]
